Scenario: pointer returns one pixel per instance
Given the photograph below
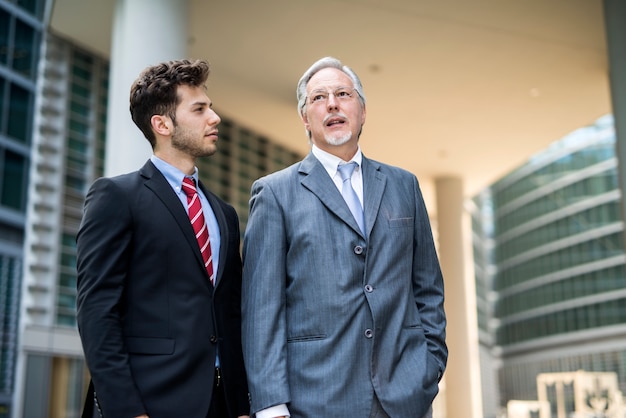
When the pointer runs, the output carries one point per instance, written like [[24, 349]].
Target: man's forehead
[[192, 93], [326, 77]]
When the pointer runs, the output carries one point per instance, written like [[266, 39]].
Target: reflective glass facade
[[557, 266], [21, 28], [558, 241]]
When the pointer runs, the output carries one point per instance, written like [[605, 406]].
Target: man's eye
[[317, 97], [342, 93]]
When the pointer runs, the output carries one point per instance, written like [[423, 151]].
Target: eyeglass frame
[[326, 95]]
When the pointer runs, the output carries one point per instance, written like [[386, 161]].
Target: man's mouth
[[335, 121]]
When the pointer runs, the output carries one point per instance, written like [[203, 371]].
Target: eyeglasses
[[321, 96]]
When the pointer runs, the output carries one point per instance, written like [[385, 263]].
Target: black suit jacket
[[149, 319]]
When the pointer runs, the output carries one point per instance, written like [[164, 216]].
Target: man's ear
[[162, 125]]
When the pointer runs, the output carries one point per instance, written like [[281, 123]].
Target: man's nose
[[213, 118], [332, 102]]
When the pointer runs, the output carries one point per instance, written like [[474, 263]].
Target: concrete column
[[614, 18], [462, 377], [145, 32]]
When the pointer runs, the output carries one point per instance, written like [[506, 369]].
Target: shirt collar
[[331, 162], [172, 174]]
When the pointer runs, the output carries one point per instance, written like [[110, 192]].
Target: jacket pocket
[[400, 222], [305, 338]]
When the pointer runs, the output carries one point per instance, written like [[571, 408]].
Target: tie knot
[[346, 170], [189, 186]]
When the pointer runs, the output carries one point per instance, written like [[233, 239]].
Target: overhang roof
[[454, 87]]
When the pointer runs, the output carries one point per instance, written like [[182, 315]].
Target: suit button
[[369, 333], [213, 339], [369, 288], [358, 250]]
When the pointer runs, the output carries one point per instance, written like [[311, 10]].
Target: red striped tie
[[199, 225]]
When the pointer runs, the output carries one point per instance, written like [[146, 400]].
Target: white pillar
[[462, 377], [145, 32]]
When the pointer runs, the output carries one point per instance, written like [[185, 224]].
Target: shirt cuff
[[273, 411]]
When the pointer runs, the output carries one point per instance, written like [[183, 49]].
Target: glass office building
[[549, 250], [21, 28]]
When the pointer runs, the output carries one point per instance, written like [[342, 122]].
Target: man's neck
[[184, 163]]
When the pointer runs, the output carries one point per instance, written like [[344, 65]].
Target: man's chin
[[207, 152], [338, 140]]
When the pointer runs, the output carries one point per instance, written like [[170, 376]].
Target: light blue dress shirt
[[175, 178]]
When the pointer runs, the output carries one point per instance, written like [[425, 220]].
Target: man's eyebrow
[[202, 103]]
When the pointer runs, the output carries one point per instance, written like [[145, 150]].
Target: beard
[[333, 140], [186, 141]]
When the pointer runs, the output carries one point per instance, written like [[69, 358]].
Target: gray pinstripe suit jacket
[[330, 316]]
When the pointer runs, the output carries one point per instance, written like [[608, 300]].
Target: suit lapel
[[373, 187], [160, 187], [317, 180]]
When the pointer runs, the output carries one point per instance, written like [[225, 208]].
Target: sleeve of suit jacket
[[265, 347], [428, 285], [103, 246]]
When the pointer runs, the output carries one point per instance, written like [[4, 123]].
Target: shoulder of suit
[[283, 174], [386, 168], [120, 179], [145, 172]]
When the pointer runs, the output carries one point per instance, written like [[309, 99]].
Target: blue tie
[[346, 170]]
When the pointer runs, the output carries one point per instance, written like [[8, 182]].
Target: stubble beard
[[184, 140]]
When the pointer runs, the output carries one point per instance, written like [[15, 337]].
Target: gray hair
[[326, 62]]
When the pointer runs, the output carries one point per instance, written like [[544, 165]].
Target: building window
[[19, 121], [54, 386], [19, 44], [10, 271], [34, 7], [13, 176], [4, 37], [25, 50]]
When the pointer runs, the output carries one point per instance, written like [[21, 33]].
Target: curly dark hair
[[155, 91]]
